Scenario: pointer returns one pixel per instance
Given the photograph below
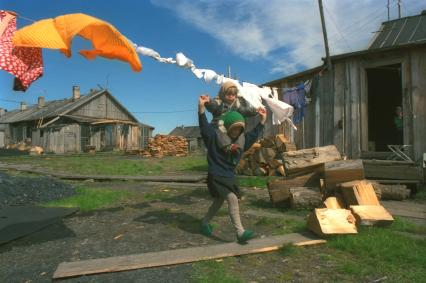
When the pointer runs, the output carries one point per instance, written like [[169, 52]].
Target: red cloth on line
[[25, 63]]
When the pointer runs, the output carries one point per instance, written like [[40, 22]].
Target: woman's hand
[[263, 114], [202, 100]]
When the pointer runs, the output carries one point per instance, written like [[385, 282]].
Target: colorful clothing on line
[[25, 63], [296, 97], [58, 33]]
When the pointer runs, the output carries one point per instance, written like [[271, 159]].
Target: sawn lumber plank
[[178, 256]]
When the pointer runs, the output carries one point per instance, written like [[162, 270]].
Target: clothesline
[[119, 48], [252, 93]]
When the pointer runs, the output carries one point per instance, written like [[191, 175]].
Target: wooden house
[[353, 105], [192, 134], [93, 121]]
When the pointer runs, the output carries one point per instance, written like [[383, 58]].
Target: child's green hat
[[233, 119]]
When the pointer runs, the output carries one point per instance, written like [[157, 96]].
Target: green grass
[[379, 252], [91, 199], [406, 226], [113, 163], [157, 196], [213, 271], [254, 181]]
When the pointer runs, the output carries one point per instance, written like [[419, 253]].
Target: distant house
[[96, 120], [192, 134], [353, 106]]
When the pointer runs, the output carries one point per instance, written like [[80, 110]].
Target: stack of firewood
[[337, 191], [166, 145], [264, 158]]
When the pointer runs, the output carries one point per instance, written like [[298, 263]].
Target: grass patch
[[156, 196], [378, 251], [91, 199], [403, 225], [289, 226], [254, 181], [421, 194], [113, 163], [288, 250], [212, 271]]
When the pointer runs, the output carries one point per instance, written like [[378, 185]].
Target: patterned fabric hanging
[[58, 33], [26, 64]]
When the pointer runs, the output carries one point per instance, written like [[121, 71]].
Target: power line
[[337, 28]]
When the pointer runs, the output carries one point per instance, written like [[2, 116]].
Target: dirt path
[[138, 226], [160, 217]]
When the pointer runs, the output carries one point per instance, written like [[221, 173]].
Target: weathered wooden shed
[[192, 134], [353, 105], [96, 120]]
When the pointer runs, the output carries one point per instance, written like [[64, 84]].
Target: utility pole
[[399, 9], [388, 11], [324, 33], [229, 71]]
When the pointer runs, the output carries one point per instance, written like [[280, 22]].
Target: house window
[[41, 133]]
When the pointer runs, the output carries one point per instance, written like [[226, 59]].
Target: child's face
[[235, 132], [230, 96]]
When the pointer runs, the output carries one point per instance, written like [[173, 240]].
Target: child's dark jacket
[[218, 161]]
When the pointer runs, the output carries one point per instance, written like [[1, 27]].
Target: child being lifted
[[228, 100], [224, 151]]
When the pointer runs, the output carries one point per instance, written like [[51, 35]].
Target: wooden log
[[305, 197], [265, 155], [391, 192], [279, 189], [388, 169], [342, 171], [359, 193], [267, 142], [370, 215], [326, 222], [334, 203], [311, 159], [281, 170]]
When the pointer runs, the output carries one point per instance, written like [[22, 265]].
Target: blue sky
[[260, 40]]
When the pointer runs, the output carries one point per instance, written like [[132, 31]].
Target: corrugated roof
[[404, 31], [187, 132]]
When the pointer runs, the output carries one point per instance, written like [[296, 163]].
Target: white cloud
[[287, 33]]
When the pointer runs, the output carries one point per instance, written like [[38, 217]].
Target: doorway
[[385, 127]]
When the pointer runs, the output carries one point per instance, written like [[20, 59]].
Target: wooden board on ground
[[369, 215], [359, 192], [342, 171], [178, 256], [310, 159], [388, 169], [305, 197], [279, 192], [406, 209], [326, 222]]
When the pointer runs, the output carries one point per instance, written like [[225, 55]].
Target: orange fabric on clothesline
[[58, 33]]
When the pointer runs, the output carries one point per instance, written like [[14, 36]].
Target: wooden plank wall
[[418, 97], [102, 107]]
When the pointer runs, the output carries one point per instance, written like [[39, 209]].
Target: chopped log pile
[[26, 146], [166, 145], [264, 158], [339, 190]]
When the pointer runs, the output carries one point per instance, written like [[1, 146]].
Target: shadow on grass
[[179, 220]]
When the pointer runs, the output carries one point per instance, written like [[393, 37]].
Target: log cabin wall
[[338, 111]]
